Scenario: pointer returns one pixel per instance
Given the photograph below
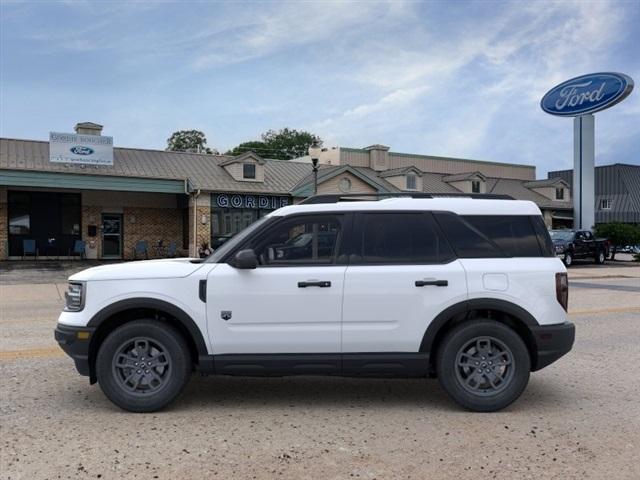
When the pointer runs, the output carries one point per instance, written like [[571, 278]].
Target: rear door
[[402, 274]]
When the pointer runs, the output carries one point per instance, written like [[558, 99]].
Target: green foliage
[[619, 234], [188, 141], [283, 144], [256, 146]]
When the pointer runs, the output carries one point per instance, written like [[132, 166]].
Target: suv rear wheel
[[600, 257], [143, 365], [483, 365]]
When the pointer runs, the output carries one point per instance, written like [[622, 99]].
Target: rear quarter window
[[513, 234], [487, 236]]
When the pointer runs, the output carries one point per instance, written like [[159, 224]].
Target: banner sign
[[587, 94], [80, 149], [239, 200]]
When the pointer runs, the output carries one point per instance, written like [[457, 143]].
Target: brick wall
[[4, 225], [152, 225], [91, 216], [203, 230]]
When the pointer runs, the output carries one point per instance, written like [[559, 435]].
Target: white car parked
[[465, 289]]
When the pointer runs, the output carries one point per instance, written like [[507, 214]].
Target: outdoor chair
[[172, 249], [78, 249], [141, 248], [29, 248]]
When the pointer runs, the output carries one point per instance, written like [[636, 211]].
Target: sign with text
[[80, 149], [240, 200], [587, 94]]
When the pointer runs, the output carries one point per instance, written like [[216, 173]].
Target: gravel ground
[[578, 418]]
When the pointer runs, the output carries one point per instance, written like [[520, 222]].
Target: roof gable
[[243, 157], [464, 176]]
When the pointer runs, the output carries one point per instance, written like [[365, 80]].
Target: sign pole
[[583, 172]]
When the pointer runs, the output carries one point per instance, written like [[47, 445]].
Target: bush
[[619, 234]]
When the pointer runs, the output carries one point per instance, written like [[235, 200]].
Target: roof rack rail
[[365, 197]]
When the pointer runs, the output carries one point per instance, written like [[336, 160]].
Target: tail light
[[562, 290]]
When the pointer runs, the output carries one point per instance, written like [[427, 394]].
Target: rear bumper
[[75, 345], [552, 341]]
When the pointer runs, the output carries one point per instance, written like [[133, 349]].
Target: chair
[[172, 249], [78, 249], [141, 248], [29, 248]]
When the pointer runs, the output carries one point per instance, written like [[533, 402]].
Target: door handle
[[314, 283], [436, 283]]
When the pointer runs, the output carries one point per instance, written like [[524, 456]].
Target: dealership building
[[124, 203]]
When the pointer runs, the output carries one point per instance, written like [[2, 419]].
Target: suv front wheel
[[483, 365], [143, 365]]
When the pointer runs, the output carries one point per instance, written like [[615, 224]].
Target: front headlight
[[74, 297], [559, 249]]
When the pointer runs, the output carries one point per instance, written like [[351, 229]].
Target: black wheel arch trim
[[155, 304], [463, 308]]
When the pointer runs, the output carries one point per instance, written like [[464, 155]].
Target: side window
[[303, 241], [465, 239], [514, 234], [394, 238]]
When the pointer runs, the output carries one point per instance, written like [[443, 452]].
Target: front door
[[111, 235], [292, 302], [402, 275]]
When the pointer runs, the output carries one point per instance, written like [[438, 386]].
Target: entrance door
[[111, 235]]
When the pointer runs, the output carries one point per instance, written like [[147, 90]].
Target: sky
[[447, 78]]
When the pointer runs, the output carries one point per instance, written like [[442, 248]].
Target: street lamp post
[[314, 153]]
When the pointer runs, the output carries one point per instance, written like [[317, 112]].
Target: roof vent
[[88, 128]]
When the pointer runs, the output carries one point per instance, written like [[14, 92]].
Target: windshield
[[561, 235], [238, 238]]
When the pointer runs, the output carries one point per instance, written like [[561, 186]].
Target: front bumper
[[75, 343], [552, 341]]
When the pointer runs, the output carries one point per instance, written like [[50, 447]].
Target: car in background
[[572, 245]]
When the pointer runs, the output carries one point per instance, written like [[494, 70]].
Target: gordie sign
[[587, 94]]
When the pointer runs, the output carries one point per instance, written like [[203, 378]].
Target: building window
[[605, 204], [559, 193], [249, 170], [345, 184], [19, 213], [475, 186], [412, 182]]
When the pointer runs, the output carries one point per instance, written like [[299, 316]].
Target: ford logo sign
[[587, 94], [79, 150]]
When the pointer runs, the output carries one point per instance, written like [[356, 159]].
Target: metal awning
[[30, 178]]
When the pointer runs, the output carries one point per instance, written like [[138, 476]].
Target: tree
[[188, 141], [283, 144], [255, 146], [619, 234]]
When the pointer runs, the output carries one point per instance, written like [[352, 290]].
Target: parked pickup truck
[[570, 245]]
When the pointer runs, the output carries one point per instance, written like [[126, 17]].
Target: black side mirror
[[245, 259]]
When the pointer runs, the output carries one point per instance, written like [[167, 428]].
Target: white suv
[[465, 289]]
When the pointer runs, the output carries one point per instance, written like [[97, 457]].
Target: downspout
[[195, 225]]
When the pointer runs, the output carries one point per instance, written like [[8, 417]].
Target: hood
[[147, 269]]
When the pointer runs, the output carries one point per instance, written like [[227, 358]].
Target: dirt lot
[[579, 418]]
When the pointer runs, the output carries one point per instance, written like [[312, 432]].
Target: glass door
[[111, 235]]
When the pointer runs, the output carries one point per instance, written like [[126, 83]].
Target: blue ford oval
[[587, 94], [79, 150]]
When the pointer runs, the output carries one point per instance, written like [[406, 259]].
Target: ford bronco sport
[[467, 290]]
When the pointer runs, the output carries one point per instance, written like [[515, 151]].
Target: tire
[[568, 260], [163, 352], [600, 257], [475, 391]]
